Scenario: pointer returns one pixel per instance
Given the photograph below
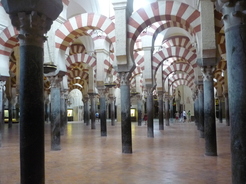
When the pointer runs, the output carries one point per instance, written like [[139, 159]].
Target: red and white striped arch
[[222, 65], [184, 67], [219, 77], [162, 10], [184, 76], [77, 73], [179, 41], [77, 48], [137, 71], [82, 23], [80, 58], [8, 40], [179, 52], [184, 82]]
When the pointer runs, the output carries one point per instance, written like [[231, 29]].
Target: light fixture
[[49, 66]]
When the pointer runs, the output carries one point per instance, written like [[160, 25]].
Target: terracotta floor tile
[[174, 156]]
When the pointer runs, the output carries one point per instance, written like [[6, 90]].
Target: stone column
[[125, 113], [167, 110], [235, 33], [171, 109], [209, 112], [140, 113], [149, 104], [86, 110], [160, 102], [103, 116], [201, 109], [2, 83], [93, 110], [112, 113], [220, 108], [63, 112], [32, 25], [55, 105], [196, 108], [227, 116], [10, 108]]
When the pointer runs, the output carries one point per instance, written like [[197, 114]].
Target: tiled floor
[[173, 156]]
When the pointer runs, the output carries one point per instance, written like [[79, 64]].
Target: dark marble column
[[93, 110], [160, 105], [32, 25], [2, 84], [86, 110], [10, 108], [103, 116], [171, 109], [209, 112], [220, 108], [227, 116], [63, 112], [126, 129], [234, 18], [112, 110], [167, 110], [201, 109], [196, 108], [55, 112], [140, 113], [150, 121]]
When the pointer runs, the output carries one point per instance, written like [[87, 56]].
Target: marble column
[[93, 110], [167, 110], [220, 108], [150, 121], [112, 110], [2, 84], [10, 108], [63, 112], [160, 106], [126, 129], [196, 109], [32, 25], [171, 109], [209, 112], [227, 116], [103, 116], [55, 105], [140, 108], [201, 109], [86, 110], [234, 19]]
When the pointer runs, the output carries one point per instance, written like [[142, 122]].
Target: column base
[[211, 154]]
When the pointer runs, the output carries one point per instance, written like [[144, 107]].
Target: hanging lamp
[[49, 66]]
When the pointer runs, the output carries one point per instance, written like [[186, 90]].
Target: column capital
[[55, 81], [32, 27], [2, 84], [207, 72], [124, 78], [234, 13], [101, 92]]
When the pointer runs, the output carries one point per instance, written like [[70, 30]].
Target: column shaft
[[55, 118], [161, 123], [140, 112], [93, 111], [201, 110], [150, 122], [2, 83], [235, 46], [103, 116], [126, 129], [31, 114], [167, 111], [209, 112]]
